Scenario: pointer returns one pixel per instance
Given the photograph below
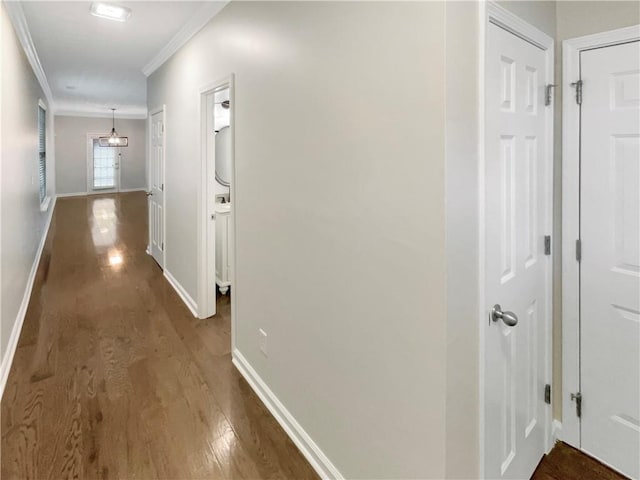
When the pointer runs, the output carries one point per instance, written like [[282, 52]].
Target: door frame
[[491, 12], [89, 179], [571, 49], [206, 206], [153, 112]]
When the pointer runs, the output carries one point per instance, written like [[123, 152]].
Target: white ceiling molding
[[193, 26], [21, 27], [122, 116]]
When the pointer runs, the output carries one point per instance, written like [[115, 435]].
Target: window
[[42, 151]]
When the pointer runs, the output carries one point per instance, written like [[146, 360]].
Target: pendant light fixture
[[113, 140]]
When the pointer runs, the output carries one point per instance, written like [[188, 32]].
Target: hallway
[[114, 378]]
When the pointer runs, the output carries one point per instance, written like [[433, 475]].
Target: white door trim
[[206, 205], [570, 218], [90, 189], [153, 112], [498, 15]]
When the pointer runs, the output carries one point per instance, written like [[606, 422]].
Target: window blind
[[42, 152]]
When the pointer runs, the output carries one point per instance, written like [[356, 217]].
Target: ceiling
[[92, 64]]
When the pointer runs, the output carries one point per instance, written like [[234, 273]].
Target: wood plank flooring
[[114, 378], [566, 463]]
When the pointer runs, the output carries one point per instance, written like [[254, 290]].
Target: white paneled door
[[610, 264], [517, 271], [156, 192]]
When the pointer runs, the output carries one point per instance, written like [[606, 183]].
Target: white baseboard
[[7, 360], [127, 190], [79, 194], [556, 430], [182, 293], [98, 192], [318, 460]]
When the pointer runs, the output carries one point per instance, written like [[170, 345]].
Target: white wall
[[71, 152], [340, 106], [539, 13], [576, 19], [462, 24], [22, 223]]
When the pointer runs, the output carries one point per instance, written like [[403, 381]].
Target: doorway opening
[[217, 224]]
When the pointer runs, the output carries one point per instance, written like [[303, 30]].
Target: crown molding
[[505, 19], [209, 10], [122, 116], [605, 39], [21, 27]]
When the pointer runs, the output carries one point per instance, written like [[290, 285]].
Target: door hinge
[[547, 394], [547, 244], [578, 87], [548, 93], [577, 397], [162, 248], [578, 250]]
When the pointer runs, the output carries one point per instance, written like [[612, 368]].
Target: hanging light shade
[[113, 140]]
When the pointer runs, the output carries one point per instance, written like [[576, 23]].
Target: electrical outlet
[[262, 342]]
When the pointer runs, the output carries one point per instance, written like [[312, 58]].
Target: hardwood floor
[[114, 378], [566, 463]]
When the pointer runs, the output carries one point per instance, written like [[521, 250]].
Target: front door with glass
[[104, 165]]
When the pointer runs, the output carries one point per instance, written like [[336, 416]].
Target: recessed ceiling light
[[110, 11]]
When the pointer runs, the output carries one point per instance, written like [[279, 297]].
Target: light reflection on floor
[[104, 228], [222, 448], [115, 258], [104, 231]]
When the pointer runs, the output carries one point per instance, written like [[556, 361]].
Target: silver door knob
[[509, 318], [149, 194]]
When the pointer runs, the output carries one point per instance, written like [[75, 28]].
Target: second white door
[[610, 265]]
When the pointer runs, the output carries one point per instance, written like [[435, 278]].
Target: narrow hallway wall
[[22, 220], [340, 215]]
